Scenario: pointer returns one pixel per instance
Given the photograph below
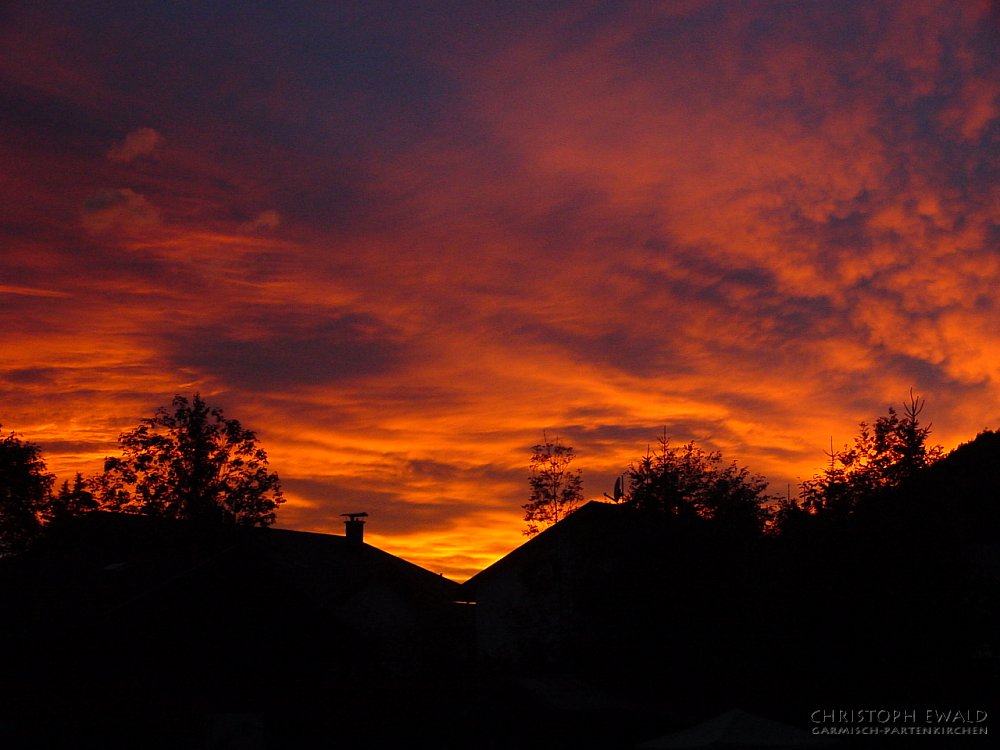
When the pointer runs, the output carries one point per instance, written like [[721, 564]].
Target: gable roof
[[596, 529], [104, 561], [329, 568]]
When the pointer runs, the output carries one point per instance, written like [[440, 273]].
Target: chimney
[[355, 527]]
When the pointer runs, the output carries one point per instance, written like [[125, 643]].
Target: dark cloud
[[289, 350], [138, 143], [264, 221], [119, 210], [31, 376], [37, 122], [78, 447]]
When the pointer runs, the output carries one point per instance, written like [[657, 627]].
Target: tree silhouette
[[190, 462], [556, 490], [883, 456], [689, 482], [71, 500], [25, 489]]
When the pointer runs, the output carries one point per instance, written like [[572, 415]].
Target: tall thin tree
[[556, 489]]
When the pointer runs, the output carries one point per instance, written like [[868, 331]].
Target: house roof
[[596, 529], [116, 610], [328, 568], [105, 561]]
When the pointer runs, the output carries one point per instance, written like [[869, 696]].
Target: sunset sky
[[400, 240]]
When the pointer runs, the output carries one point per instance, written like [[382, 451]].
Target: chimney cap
[[354, 516]]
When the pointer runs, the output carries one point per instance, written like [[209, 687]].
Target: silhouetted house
[[637, 598], [563, 622], [127, 610], [551, 601]]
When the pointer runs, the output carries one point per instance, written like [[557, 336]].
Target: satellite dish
[[619, 491]]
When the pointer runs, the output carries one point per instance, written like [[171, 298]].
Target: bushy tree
[[884, 455], [556, 489], [190, 462], [25, 490], [689, 482]]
